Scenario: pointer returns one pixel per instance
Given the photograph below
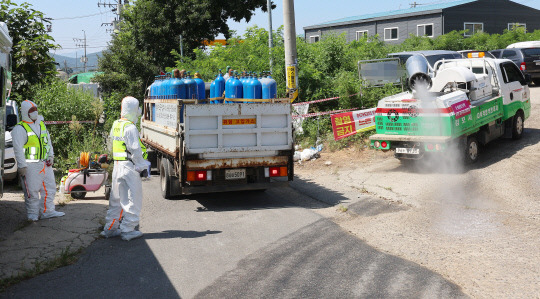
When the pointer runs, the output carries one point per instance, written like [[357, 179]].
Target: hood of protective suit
[[130, 109], [25, 107]]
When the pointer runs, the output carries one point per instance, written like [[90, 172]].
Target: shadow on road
[[306, 194], [323, 261], [109, 268], [185, 234]]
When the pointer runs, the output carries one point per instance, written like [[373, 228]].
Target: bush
[[57, 102]]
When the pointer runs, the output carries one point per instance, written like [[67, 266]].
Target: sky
[[75, 18]]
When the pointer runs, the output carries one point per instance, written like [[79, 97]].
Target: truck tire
[[471, 151], [518, 125], [165, 178]]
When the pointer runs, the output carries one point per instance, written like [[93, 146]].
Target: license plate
[[402, 150], [235, 174]]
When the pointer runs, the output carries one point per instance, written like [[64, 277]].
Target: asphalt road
[[239, 245]]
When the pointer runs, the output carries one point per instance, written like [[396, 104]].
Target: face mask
[[33, 115]]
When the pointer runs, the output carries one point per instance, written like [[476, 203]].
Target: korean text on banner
[[350, 123]]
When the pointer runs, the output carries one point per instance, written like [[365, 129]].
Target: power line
[[78, 17]]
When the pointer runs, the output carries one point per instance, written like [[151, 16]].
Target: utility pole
[[414, 4], [270, 33], [181, 48], [84, 59], [291, 58], [117, 7]]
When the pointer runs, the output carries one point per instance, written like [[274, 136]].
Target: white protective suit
[[38, 182], [125, 202]]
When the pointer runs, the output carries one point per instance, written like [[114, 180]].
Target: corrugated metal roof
[[399, 12]]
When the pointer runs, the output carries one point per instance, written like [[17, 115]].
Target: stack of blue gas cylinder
[[243, 87], [168, 87]]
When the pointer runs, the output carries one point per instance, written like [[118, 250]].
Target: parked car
[[475, 54], [527, 59], [10, 164]]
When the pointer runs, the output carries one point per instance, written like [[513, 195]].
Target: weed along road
[[237, 245]]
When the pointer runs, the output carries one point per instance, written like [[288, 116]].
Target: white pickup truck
[[470, 103], [203, 148]]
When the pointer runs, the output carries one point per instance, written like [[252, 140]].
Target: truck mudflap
[[189, 190]]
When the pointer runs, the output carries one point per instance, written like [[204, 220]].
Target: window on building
[[424, 30], [391, 33], [361, 34], [472, 28], [512, 26], [314, 38]]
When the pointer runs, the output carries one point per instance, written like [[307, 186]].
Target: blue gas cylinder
[[178, 88], [219, 88], [158, 90], [152, 93], [166, 87], [233, 89], [254, 89], [213, 91], [191, 87], [201, 93], [248, 91], [269, 88]]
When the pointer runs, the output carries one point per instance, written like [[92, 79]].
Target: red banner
[[350, 123]]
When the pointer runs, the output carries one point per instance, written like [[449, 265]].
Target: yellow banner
[[241, 121]]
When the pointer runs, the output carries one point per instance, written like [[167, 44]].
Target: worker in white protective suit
[[129, 155], [35, 156]]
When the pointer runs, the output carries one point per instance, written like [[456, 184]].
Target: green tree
[[151, 29], [31, 63]]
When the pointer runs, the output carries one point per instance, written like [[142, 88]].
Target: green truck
[[465, 103]]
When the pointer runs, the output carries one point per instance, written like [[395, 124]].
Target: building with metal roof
[[491, 16]]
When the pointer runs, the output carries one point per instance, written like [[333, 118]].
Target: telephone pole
[[270, 41], [117, 7], [84, 59], [291, 58]]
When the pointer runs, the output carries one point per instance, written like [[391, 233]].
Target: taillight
[[376, 144], [200, 175], [430, 146], [384, 144], [275, 171], [522, 66], [438, 147]]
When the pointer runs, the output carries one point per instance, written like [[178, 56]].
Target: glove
[[50, 161], [22, 171]]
